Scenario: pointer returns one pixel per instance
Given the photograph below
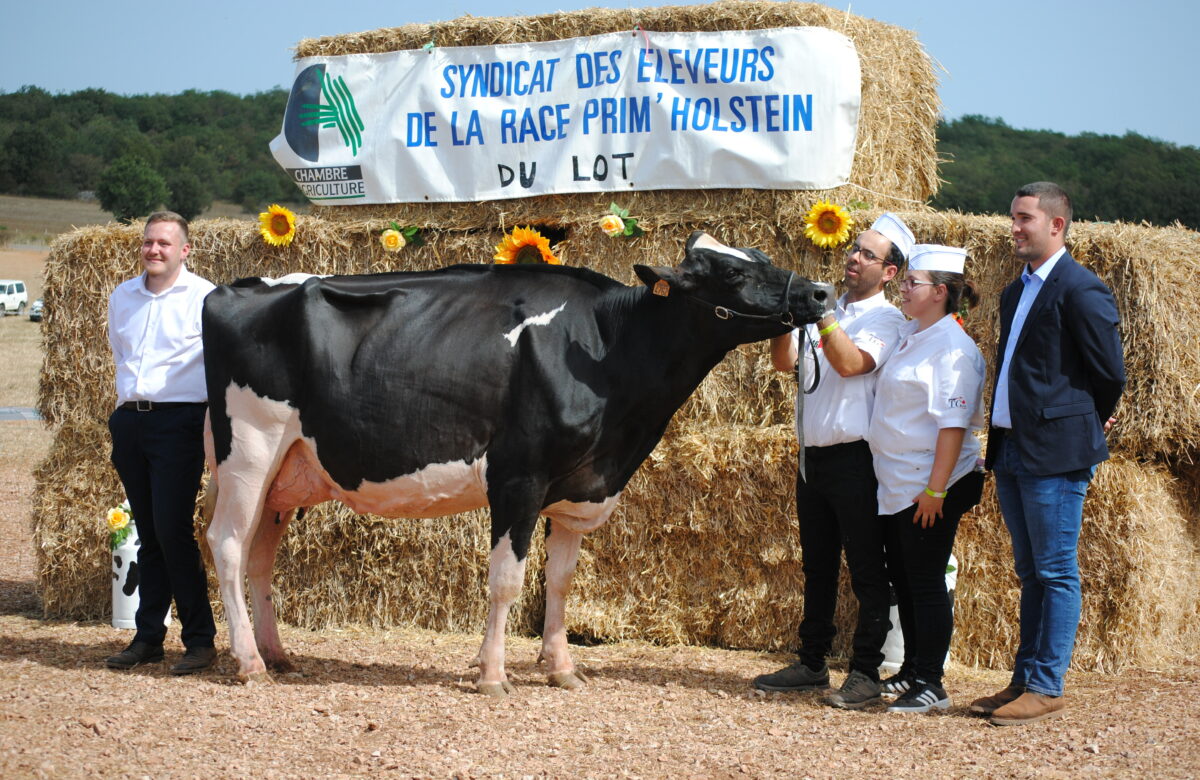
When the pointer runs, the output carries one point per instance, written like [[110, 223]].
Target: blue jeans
[[1044, 515]]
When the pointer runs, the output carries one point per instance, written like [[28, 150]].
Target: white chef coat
[[839, 410], [933, 380], [155, 340]]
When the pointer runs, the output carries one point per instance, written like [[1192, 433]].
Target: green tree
[[130, 188], [189, 197], [256, 190]]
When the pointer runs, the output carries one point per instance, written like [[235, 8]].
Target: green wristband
[[829, 329], [929, 492]]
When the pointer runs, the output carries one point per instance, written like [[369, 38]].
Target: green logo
[[338, 111]]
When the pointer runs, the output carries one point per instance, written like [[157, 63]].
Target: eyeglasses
[[865, 254], [907, 283]]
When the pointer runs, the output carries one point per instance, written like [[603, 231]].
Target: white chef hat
[[935, 257], [896, 231]]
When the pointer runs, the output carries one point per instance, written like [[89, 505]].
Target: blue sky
[[1071, 66]]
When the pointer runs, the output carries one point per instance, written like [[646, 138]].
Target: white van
[[13, 297]]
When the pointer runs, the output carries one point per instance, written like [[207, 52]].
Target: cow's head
[[740, 284]]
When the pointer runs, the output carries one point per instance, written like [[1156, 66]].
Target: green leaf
[[397, 228], [620, 212], [118, 537]]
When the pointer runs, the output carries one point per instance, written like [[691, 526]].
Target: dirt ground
[[401, 703]]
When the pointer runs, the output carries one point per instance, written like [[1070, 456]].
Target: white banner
[[765, 109]]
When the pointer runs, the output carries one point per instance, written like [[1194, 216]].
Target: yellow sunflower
[[828, 224], [277, 225], [525, 245], [118, 518]]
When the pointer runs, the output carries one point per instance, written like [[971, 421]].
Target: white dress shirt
[[1001, 414], [839, 410], [933, 380], [155, 340]]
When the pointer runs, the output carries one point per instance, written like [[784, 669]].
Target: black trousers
[[159, 456], [838, 511], [916, 559]]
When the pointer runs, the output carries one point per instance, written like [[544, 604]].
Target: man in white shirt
[[835, 494], [157, 432]]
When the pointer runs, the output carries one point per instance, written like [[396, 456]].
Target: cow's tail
[[209, 505]]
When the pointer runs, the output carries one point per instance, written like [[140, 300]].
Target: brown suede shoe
[[989, 704], [1029, 707]]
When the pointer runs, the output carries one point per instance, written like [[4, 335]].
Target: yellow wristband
[[929, 492], [829, 329]]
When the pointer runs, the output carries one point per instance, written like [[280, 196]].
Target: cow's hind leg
[[562, 553], [259, 569], [229, 536]]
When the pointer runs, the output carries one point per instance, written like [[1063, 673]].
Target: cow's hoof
[[497, 690], [281, 665], [254, 678], [572, 681]]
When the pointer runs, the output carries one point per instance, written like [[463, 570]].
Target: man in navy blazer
[[1060, 372]]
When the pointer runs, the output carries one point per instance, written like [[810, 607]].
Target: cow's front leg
[[515, 504], [506, 575], [562, 553]]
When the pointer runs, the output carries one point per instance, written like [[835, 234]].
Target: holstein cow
[[534, 390]]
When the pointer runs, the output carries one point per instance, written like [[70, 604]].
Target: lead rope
[[801, 392]]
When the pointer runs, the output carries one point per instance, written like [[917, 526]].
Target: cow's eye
[[733, 275]]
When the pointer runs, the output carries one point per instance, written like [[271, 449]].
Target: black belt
[[154, 406], [834, 449]]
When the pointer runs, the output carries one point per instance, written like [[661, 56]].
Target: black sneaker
[[897, 685], [796, 677], [856, 692], [922, 697], [194, 660], [136, 653]]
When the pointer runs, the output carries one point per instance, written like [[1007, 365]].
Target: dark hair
[[895, 256], [169, 216], [959, 289], [1052, 199]]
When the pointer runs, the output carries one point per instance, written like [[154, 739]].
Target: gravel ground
[[402, 703]]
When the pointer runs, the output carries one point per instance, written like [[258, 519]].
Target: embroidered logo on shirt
[[957, 402]]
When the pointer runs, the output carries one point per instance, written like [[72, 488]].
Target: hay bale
[[1139, 561], [895, 165], [704, 548]]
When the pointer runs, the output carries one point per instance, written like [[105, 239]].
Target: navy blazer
[[1067, 371]]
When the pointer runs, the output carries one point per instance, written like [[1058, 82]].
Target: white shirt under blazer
[[155, 340], [839, 410], [933, 380]]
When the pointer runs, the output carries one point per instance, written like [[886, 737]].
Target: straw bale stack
[[896, 158], [704, 548]]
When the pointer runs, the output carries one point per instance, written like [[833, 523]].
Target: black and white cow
[[534, 390]]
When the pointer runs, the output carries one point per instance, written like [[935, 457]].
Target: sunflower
[[392, 240], [525, 245], [277, 225], [828, 224]]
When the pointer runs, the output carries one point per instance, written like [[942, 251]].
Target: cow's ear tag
[[661, 288]]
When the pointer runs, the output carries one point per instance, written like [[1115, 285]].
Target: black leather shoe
[[136, 653], [195, 660]]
